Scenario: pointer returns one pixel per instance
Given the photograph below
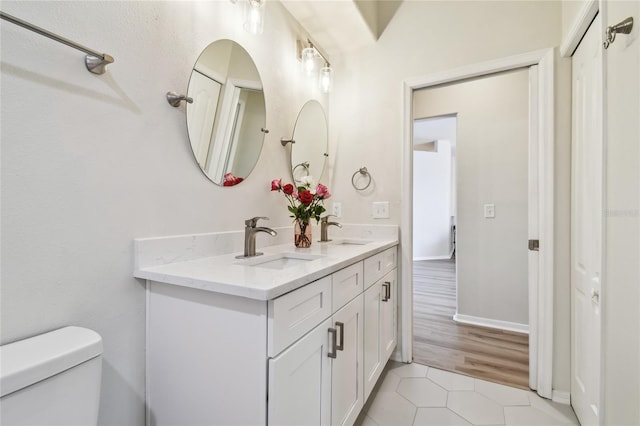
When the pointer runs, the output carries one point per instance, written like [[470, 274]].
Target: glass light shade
[[254, 16], [308, 59], [325, 79]]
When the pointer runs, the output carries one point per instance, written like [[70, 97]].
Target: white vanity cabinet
[[380, 327], [308, 357], [319, 379]]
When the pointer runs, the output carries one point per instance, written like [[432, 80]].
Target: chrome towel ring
[[304, 165], [365, 173]]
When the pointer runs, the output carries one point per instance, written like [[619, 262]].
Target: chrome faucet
[[250, 231], [324, 225]]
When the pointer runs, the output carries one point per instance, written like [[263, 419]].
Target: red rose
[[276, 184], [305, 197], [288, 189]]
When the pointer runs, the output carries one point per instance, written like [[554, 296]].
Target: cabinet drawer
[[378, 265], [295, 313], [347, 284]]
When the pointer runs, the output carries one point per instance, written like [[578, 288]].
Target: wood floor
[[439, 341]]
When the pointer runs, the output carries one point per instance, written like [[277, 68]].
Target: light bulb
[[254, 16], [325, 79], [308, 59]]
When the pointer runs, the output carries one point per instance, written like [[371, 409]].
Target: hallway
[[439, 341]]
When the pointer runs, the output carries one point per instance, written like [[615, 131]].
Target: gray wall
[[492, 140]]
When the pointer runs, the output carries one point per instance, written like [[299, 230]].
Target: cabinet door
[[388, 332], [300, 381], [373, 363], [347, 390]]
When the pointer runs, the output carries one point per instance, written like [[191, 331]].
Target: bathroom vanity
[[296, 336]]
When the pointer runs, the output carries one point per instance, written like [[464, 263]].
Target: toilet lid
[[31, 360]]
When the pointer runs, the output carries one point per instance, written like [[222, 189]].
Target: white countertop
[[246, 278]]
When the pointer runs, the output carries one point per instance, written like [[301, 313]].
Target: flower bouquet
[[305, 202]]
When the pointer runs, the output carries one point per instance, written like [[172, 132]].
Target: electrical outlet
[[380, 210], [337, 209], [489, 211]]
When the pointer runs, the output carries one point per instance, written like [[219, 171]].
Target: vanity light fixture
[[325, 78], [308, 57], [308, 53], [254, 16]]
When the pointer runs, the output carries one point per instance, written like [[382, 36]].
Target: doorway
[[485, 334], [541, 263]]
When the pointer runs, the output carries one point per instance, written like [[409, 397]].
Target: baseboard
[[492, 323], [561, 397], [445, 257]]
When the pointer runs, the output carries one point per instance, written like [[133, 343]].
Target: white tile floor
[[414, 394]]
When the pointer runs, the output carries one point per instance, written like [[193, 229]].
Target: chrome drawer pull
[[340, 326], [332, 353], [387, 291]]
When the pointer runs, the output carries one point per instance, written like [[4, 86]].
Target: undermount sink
[[280, 261], [352, 242]]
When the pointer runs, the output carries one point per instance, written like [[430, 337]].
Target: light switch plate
[[337, 209], [490, 211], [380, 210]]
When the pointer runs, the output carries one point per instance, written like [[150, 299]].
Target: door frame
[[540, 309]]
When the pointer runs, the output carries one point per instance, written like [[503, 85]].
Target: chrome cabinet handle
[[332, 352], [387, 291], [340, 326]]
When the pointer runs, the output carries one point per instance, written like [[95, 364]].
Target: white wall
[[492, 148], [429, 37], [91, 162], [432, 203], [621, 286]]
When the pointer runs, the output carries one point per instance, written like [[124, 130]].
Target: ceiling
[[339, 26], [426, 130]]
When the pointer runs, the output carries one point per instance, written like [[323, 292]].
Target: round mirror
[[309, 151], [226, 120]]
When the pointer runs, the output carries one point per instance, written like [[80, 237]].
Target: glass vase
[[302, 234]]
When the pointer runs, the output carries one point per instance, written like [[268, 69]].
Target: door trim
[[579, 27], [542, 317]]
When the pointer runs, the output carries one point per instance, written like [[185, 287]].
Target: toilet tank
[[51, 379]]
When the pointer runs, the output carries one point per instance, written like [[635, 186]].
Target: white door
[[347, 386], [300, 381], [201, 114], [586, 225]]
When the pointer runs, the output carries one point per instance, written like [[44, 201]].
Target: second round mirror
[[309, 152]]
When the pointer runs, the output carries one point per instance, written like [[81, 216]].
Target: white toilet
[[51, 379]]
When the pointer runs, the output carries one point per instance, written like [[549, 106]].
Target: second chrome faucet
[[324, 225]]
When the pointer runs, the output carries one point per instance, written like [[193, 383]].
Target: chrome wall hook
[[174, 99], [623, 27]]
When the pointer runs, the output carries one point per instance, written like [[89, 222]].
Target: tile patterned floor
[[414, 394]]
